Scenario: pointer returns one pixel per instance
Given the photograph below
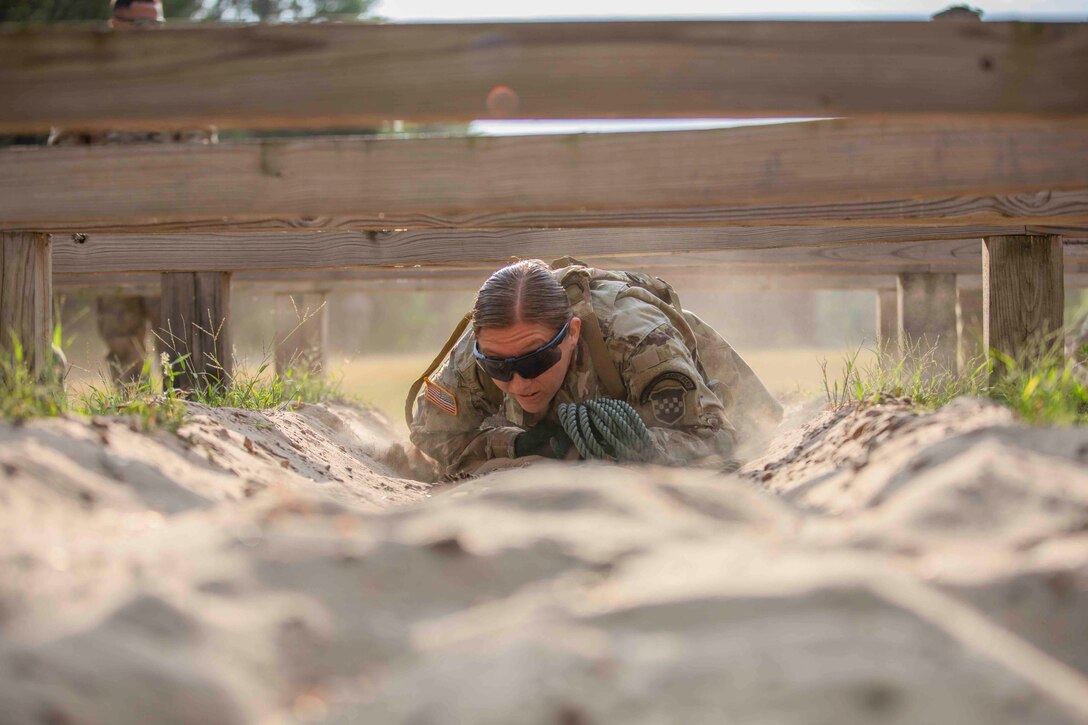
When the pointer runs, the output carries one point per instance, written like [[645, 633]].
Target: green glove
[[546, 439]]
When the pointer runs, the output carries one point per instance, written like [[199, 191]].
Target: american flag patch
[[440, 396]]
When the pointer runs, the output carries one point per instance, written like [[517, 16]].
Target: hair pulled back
[[525, 291]]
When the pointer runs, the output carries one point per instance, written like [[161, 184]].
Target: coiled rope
[[607, 429]]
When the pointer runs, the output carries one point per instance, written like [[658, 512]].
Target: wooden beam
[[194, 329], [887, 321], [839, 161], [310, 75], [897, 250], [1023, 295], [927, 321], [301, 330], [271, 282], [26, 299], [1045, 212]]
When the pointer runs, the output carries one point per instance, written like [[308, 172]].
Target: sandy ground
[[876, 565]]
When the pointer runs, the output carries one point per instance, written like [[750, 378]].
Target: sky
[[469, 10]]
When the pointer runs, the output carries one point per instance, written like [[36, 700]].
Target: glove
[[546, 439]]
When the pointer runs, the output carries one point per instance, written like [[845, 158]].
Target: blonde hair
[[525, 291]]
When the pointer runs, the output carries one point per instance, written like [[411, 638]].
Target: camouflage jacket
[[661, 378]]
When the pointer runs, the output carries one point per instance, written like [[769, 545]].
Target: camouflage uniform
[[661, 378]]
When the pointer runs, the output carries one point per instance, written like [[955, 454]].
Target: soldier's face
[[535, 394]]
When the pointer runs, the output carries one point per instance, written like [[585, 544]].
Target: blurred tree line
[[60, 11]]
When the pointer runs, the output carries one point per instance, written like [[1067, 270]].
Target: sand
[[875, 565]]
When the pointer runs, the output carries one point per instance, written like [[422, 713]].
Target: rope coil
[[609, 430]]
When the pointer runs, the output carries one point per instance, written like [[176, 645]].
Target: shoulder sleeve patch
[[439, 396], [685, 382], [666, 396]]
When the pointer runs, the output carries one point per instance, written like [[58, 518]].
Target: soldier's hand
[[546, 439]]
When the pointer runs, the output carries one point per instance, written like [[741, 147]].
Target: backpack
[[751, 408]]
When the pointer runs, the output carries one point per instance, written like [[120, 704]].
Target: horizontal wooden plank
[[704, 280], [237, 251], [838, 161], [309, 76], [234, 251], [1037, 210], [962, 256]]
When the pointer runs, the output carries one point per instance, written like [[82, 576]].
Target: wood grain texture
[[310, 76], [195, 322], [840, 161], [340, 281], [927, 321], [898, 248], [26, 297], [1023, 294], [301, 331], [1041, 210]]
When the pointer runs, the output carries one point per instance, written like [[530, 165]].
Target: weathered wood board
[[26, 298], [736, 248], [1023, 294], [319, 75], [851, 162], [194, 328], [1042, 212]]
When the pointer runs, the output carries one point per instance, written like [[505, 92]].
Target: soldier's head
[[525, 333], [127, 13]]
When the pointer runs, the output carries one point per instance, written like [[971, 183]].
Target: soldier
[[544, 337], [124, 321]]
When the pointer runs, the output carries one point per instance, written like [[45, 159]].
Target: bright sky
[[466, 10]]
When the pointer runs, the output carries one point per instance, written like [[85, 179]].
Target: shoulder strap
[[414, 390], [578, 292]]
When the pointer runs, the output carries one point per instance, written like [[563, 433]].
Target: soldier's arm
[[451, 419], [663, 384]]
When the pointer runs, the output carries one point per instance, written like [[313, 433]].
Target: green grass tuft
[[1045, 388]]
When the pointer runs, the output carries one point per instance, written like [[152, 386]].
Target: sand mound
[[881, 565]]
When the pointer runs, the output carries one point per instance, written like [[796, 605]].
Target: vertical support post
[[1023, 289], [969, 327], [887, 323], [927, 319], [301, 330], [195, 322], [26, 298]]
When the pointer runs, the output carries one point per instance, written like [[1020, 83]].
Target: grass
[[1044, 388], [157, 402]]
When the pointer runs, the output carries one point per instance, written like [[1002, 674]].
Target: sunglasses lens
[[528, 367], [537, 364], [503, 371]]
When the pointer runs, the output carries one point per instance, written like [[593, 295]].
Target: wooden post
[[969, 327], [195, 322], [1023, 294], [887, 323], [927, 319], [26, 297], [301, 329]]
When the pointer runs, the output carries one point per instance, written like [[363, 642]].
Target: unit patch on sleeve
[[441, 397], [666, 394]]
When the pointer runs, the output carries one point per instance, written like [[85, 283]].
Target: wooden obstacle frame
[[963, 157]]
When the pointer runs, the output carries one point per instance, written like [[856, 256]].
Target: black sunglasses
[[528, 366]]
